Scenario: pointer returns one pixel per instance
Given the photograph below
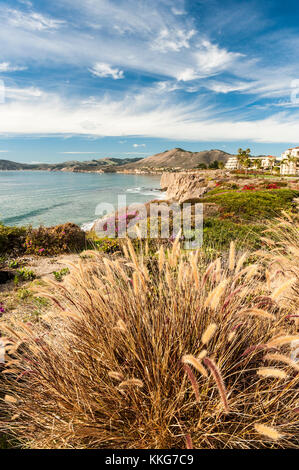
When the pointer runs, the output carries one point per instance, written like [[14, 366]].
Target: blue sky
[[124, 78]]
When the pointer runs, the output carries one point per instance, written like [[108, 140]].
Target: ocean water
[[51, 198]]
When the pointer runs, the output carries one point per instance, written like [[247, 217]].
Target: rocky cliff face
[[183, 187]]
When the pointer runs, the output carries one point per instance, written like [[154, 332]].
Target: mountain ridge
[[179, 158], [176, 158], [71, 165]]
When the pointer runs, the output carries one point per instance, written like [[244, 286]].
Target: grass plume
[[268, 431], [105, 370]]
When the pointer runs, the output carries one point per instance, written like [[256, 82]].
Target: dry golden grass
[[157, 353]]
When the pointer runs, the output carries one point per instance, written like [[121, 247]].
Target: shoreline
[[101, 172], [80, 196]]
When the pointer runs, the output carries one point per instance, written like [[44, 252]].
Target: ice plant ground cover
[[163, 351]]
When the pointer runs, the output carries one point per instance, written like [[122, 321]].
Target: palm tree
[[276, 169], [243, 156], [247, 164], [258, 164]]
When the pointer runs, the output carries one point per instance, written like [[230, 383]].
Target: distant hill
[[8, 165], [176, 158], [75, 166], [179, 158]]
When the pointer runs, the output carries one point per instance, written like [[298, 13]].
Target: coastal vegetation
[[252, 204], [41, 241], [144, 344], [161, 352]]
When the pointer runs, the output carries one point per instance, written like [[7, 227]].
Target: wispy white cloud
[[208, 59], [223, 87], [211, 58], [26, 2], [142, 115], [103, 70], [174, 40], [167, 86], [4, 151], [8, 67], [187, 75], [29, 20], [115, 40], [20, 94], [153, 41], [177, 11]]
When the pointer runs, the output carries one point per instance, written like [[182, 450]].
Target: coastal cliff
[[184, 187]]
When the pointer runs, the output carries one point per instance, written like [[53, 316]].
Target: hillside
[[179, 158], [8, 165], [104, 164], [176, 158]]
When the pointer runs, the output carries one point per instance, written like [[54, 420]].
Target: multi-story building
[[293, 152], [266, 162], [288, 167], [232, 164]]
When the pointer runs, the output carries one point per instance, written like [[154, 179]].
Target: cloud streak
[[134, 116], [103, 70], [29, 20], [8, 67], [145, 68]]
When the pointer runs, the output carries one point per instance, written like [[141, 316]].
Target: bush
[[24, 275], [222, 187], [107, 245], [214, 165], [178, 355], [218, 233], [201, 166], [279, 184], [12, 239], [59, 275], [45, 241], [254, 205], [42, 241]]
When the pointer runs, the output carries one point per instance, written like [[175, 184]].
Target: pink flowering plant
[[45, 241]]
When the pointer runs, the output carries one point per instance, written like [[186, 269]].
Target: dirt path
[[17, 299]]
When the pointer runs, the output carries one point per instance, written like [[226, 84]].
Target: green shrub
[[221, 188], [45, 241], [41, 241], [60, 274], [24, 294], [219, 233], [255, 205], [12, 239], [13, 264], [25, 275], [281, 184], [41, 302], [107, 245]]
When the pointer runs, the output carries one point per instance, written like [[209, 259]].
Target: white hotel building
[[290, 168], [266, 162], [294, 152]]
